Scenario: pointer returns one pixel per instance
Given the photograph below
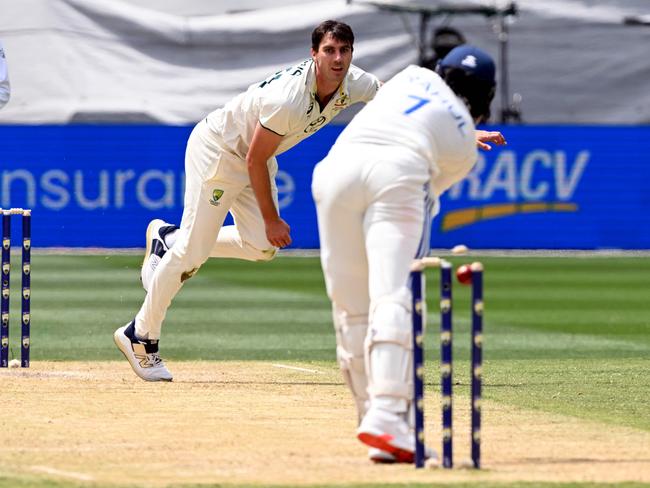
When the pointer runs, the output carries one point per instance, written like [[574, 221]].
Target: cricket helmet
[[470, 73]]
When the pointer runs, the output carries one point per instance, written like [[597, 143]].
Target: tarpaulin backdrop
[[574, 61], [551, 187]]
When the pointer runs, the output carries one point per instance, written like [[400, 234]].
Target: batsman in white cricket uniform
[[375, 193], [230, 166]]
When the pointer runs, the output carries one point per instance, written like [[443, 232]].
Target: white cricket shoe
[[142, 355], [156, 249], [389, 432]]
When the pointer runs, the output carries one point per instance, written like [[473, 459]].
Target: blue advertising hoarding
[[551, 187]]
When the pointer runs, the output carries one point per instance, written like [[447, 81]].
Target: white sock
[[170, 238]]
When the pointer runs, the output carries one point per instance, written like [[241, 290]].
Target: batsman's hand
[[277, 232], [485, 136]]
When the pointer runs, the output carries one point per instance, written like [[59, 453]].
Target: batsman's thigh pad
[[392, 309], [351, 331], [389, 351]]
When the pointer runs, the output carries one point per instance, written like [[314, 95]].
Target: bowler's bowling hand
[[277, 232], [485, 136]]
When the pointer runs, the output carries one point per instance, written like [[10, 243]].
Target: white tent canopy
[[174, 61]]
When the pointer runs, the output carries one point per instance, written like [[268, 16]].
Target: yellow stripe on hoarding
[[468, 216]]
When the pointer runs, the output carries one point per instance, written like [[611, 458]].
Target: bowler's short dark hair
[[340, 31]]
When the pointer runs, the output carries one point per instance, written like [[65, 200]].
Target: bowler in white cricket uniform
[[375, 194], [230, 166]]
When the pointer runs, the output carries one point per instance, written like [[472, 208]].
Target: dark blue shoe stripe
[[130, 331], [158, 248], [150, 346], [163, 231]]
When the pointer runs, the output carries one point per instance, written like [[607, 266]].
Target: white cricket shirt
[[285, 103], [418, 116]]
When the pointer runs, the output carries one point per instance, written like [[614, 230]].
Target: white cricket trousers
[[373, 214], [373, 209], [215, 183]]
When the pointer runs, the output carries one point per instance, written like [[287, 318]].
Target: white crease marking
[[295, 368], [64, 474]]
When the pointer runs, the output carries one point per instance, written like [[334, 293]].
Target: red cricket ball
[[464, 274]]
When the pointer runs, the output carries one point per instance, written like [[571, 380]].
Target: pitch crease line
[[295, 368], [64, 474]]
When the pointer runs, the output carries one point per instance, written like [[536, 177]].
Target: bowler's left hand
[[485, 136]]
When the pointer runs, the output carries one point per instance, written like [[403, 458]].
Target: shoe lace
[[155, 359]]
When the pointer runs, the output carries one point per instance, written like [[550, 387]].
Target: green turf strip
[[563, 335], [537, 308]]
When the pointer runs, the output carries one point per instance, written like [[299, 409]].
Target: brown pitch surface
[[259, 422]]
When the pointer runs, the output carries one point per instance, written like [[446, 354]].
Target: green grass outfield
[[568, 335], [565, 335]]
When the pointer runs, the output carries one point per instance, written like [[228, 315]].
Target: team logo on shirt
[[315, 125], [341, 103], [216, 195]]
